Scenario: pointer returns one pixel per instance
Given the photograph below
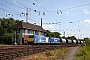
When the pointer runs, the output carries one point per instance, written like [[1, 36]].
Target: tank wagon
[[74, 41], [69, 41]]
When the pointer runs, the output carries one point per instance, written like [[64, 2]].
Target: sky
[[69, 16]]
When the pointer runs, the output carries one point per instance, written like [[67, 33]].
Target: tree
[[72, 38], [87, 41], [57, 34], [53, 34], [48, 33], [6, 31], [8, 38], [63, 37]]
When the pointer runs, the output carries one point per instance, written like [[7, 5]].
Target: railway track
[[11, 52]]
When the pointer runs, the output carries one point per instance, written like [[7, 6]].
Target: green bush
[[83, 53], [87, 41], [8, 39]]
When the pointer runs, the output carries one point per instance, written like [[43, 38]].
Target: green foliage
[[57, 34], [82, 45], [72, 38], [81, 52], [63, 37], [48, 33], [53, 34], [8, 38], [87, 41], [84, 50], [6, 31]]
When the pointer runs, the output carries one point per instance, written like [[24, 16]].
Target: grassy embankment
[[83, 53], [84, 50], [56, 54]]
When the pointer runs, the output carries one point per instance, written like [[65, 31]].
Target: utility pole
[[26, 14], [0, 22], [64, 33], [15, 38], [41, 22]]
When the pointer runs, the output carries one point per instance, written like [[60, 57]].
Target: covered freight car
[[54, 40]]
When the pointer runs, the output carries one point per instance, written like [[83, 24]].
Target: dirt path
[[71, 55]]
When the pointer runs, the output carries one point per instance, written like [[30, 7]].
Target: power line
[[33, 20], [8, 7], [28, 10], [66, 8], [46, 10], [21, 4], [14, 4], [76, 6], [53, 3], [7, 11]]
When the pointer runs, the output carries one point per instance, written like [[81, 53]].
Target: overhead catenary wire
[[21, 4], [53, 3], [67, 8], [76, 6], [9, 8], [14, 4], [57, 13], [20, 7], [8, 11], [40, 11], [14, 12], [49, 13], [61, 9], [46, 10], [28, 10]]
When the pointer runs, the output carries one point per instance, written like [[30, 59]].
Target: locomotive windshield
[[31, 36]]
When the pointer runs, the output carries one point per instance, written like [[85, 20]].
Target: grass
[[56, 54], [83, 53]]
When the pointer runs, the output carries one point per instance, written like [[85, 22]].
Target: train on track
[[35, 39]]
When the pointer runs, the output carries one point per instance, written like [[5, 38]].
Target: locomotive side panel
[[54, 40]]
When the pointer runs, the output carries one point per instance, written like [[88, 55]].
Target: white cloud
[[87, 22], [48, 26], [14, 0], [67, 12], [86, 12]]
